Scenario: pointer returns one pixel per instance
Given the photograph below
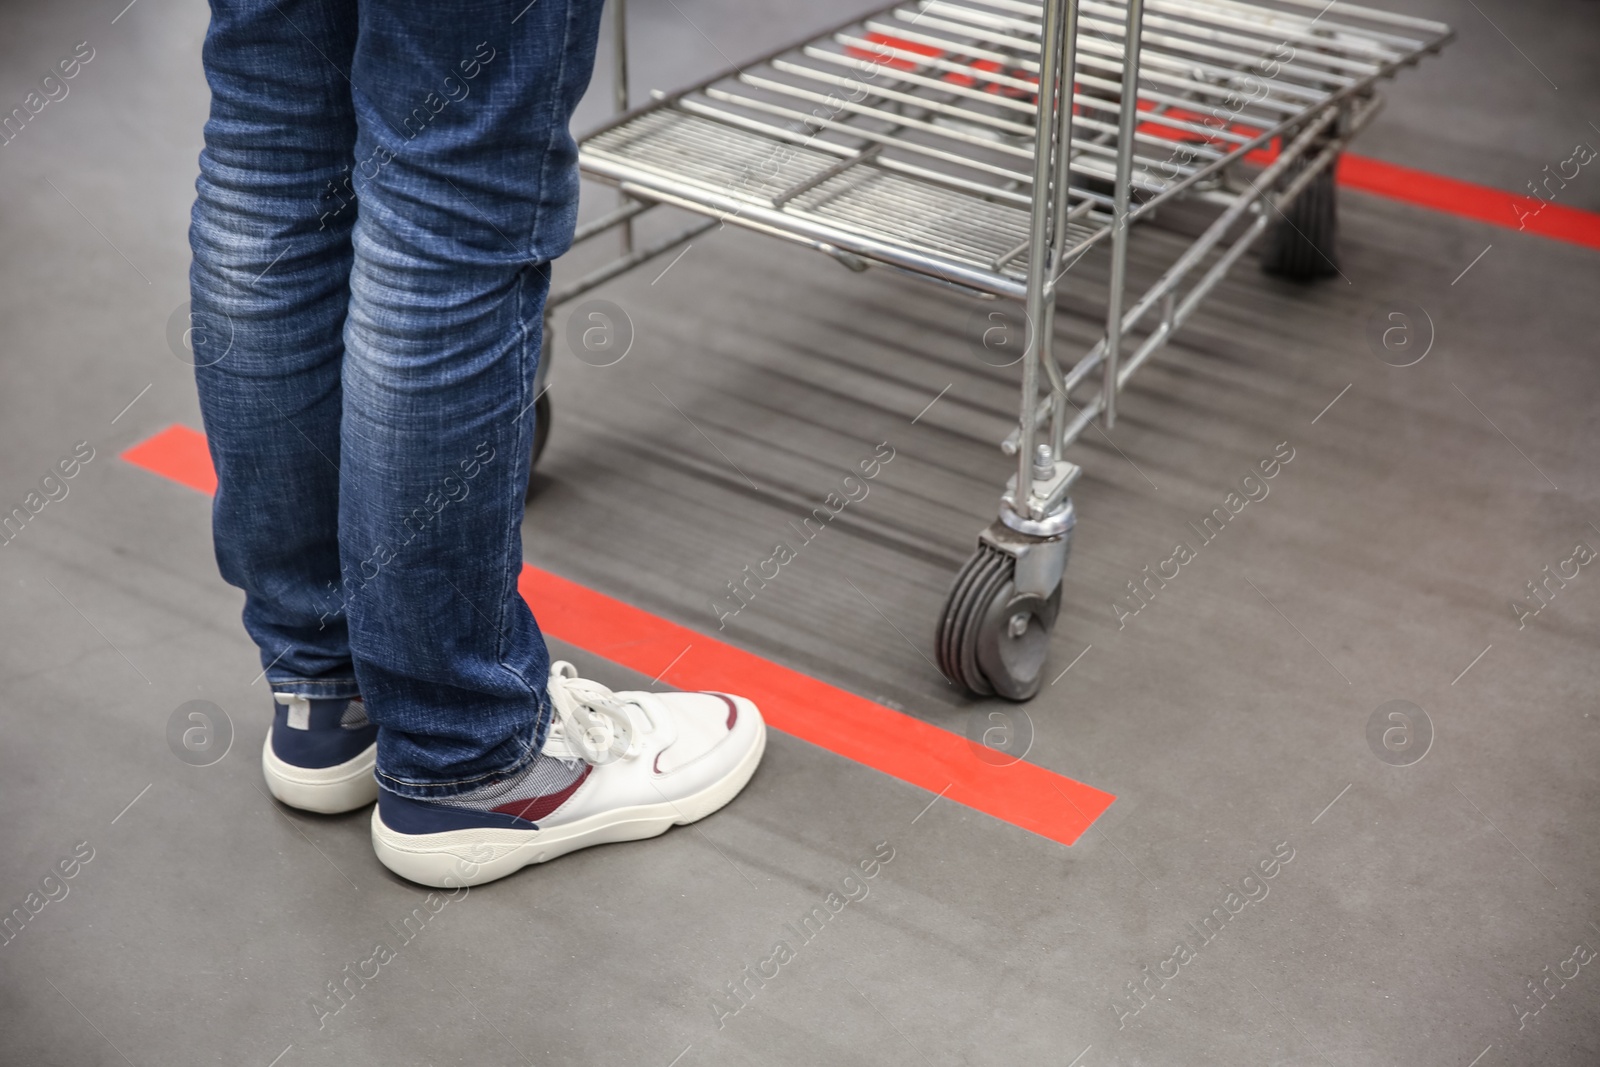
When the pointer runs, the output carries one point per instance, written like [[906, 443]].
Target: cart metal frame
[[939, 140]]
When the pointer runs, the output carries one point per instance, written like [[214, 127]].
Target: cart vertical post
[[619, 97], [1126, 125], [1040, 240], [1063, 177]]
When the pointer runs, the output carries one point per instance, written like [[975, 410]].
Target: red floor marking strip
[[1468, 200], [178, 453], [1023, 794]]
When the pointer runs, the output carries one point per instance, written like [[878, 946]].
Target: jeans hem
[[318, 689], [434, 790]]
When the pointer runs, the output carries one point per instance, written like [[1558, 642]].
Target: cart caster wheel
[[1299, 245], [992, 640]]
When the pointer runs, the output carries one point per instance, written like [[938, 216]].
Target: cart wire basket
[[988, 145]]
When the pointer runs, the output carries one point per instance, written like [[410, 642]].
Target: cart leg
[[1301, 244], [994, 632], [1063, 173], [619, 96], [1119, 232]]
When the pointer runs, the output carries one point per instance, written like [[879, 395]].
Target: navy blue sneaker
[[320, 754]]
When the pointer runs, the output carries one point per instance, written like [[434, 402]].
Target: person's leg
[[270, 286], [468, 189], [489, 758], [270, 283]]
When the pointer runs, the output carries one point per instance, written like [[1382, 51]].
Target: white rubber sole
[[472, 857], [326, 790]]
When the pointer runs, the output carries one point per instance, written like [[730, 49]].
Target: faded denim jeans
[[383, 186]]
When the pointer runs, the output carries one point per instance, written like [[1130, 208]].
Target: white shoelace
[[591, 722]]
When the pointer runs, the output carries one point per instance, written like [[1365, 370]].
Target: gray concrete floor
[[1229, 717]]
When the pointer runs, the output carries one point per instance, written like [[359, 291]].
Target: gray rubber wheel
[[991, 640], [1301, 243]]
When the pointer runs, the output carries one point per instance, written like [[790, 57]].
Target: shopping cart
[[934, 136]]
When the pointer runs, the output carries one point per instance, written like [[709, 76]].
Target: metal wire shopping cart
[[936, 136]]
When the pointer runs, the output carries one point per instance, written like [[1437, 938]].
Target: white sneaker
[[615, 767]]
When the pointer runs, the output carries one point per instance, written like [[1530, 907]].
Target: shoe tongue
[[557, 745], [607, 715]]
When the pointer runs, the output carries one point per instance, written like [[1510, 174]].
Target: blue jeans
[[382, 189]]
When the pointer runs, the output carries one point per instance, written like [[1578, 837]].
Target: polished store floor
[[1272, 883]]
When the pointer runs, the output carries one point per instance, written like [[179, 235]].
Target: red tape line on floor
[[1023, 794], [178, 453], [1479, 202], [1467, 200]]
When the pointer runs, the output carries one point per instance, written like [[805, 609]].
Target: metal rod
[[623, 264], [671, 99], [887, 51], [1068, 47], [1083, 208], [815, 232], [1227, 68], [1038, 253], [1373, 14], [976, 75], [910, 146], [1176, 188], [811, 141], [1124, 187], [1175, 317], [1108, 59], [949, 87], [1214, 232], [1081, 420], [846, 217], [823, 175], [1187, 69], [1225, 56], [1253, 31], [887, 116], [619, 47], [924, 102], [1219, 227], [619, 95], [1201, 21], [622, 214], [1164, 287]]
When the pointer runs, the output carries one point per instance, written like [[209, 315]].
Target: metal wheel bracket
[[1041, 513], [1040, 560]]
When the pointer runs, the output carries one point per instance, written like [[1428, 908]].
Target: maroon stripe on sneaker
[[535, 808], [733, 709]]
